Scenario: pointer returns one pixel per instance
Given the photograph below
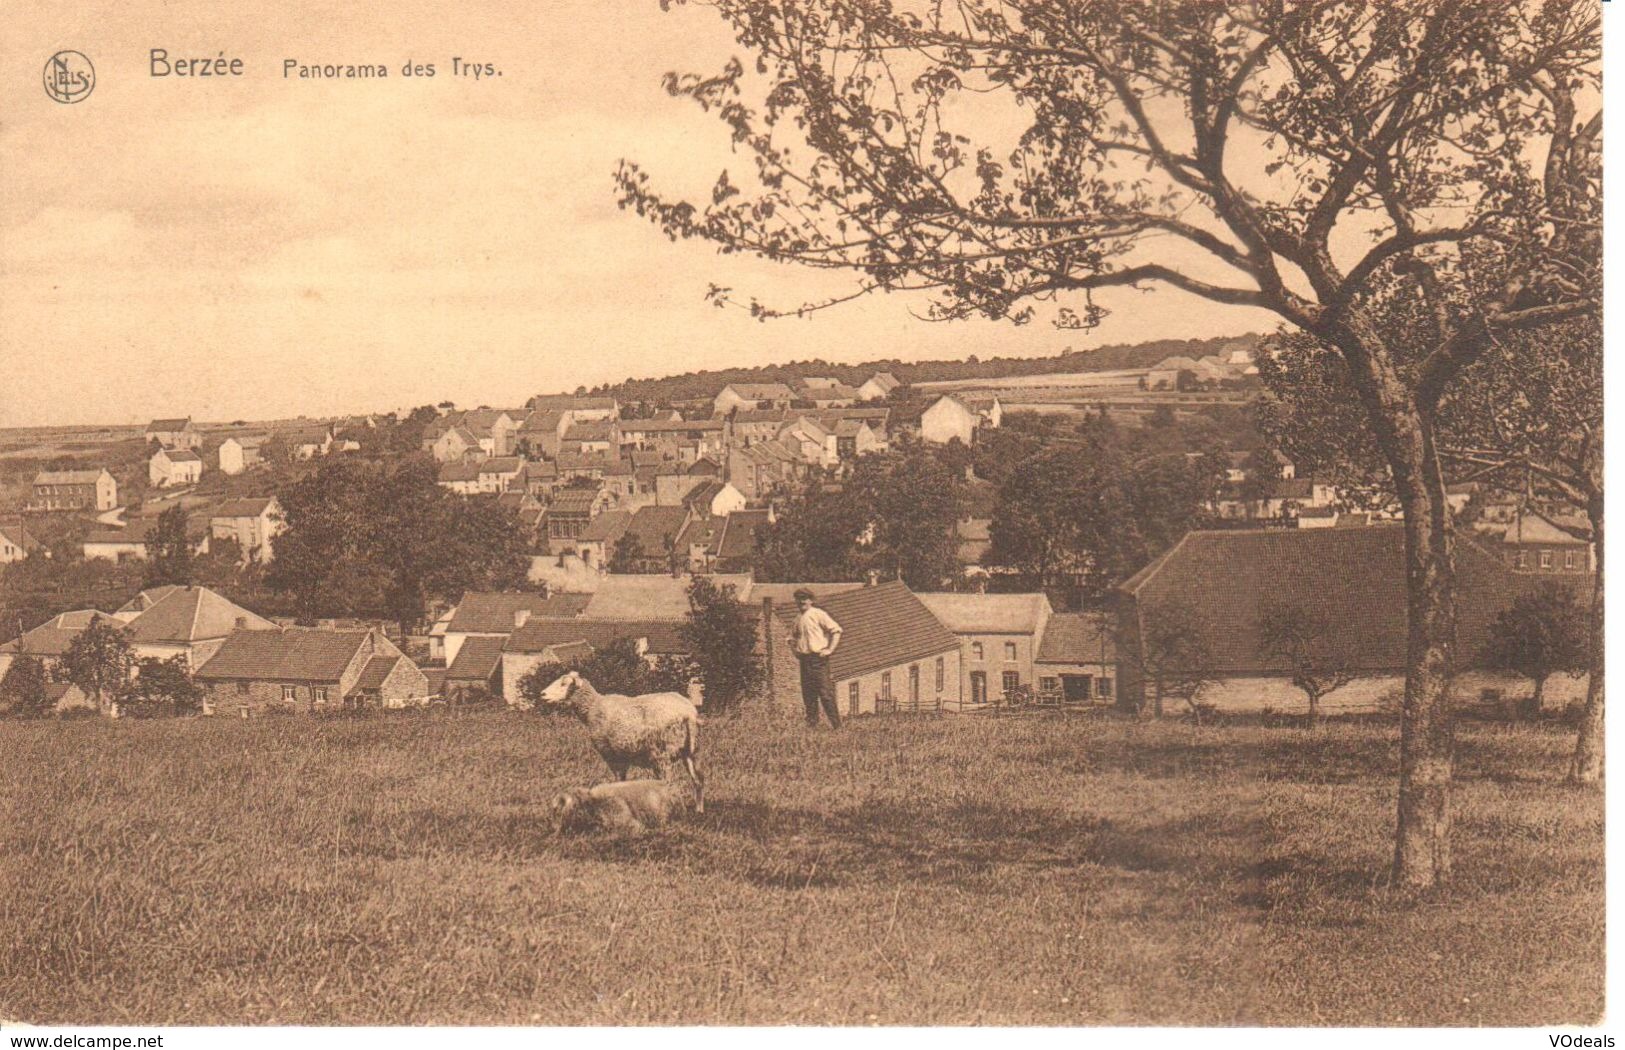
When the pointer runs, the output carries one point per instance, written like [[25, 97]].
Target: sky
[[262, 247]]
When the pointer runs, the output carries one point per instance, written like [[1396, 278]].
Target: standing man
[[815, 638]]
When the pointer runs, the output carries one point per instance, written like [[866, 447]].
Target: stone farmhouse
[[73, 490], [299, 669]]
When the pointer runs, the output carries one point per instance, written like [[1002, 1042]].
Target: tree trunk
[[1426, 742], [1586, 768], [1314, 710], [1532, 706]]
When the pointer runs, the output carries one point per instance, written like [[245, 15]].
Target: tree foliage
[[1539, 635], [377, 539], [720, 635], [99, 661], [165, 685], [169, 550], [1315, 651], [23, 687]]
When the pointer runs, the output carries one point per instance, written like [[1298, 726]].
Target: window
[[290, 692], [1521, 560], [885, 685], [1009, 652], [242, 688], [852, 696], [1104, 686], [1546, 559], [976, 650], [1571, 560], [319, 693], [914, 683], [1012, 681], [941, 669], [1049, 683]]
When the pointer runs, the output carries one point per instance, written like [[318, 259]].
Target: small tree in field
[[23, 687], [1541, 634], [721, 638], [1174, 659], [1317, 655], [99, 661]]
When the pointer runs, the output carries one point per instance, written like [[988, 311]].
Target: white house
[[878, 387], [252, 523], [174, 466], [752, 395], [174, 433], [15, 543], [959, 416], [239, 452]]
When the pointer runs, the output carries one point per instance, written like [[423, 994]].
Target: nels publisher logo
[[69, 76]]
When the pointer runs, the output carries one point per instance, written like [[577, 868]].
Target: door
[[978, 687]]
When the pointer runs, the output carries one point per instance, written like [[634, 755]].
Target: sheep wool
[[652, 731]]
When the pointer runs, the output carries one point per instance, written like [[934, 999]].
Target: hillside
[[1139, 355]]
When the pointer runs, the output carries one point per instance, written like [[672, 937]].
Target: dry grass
[[399, 870]]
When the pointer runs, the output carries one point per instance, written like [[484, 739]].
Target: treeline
[[705, 384]]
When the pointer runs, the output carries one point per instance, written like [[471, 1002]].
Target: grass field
[[1035, 870]]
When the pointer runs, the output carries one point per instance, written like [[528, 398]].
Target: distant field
[[1034, 870]]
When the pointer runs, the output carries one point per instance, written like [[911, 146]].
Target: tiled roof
[[641, 598], [373, 674], [180, 455], [291, 655], [538, 635], [181, 615], [501, 465], [783, 594], [986, 613], [739, 533], [1533, 528], [657, 528], [542, 421], [140, 530], [760, 415], [1078, 638], [671, 426], [1354, 577], [607, 527], [885, 380], [573, 500], [705, 466], [458, 470], [164, 425], [437, 680], [761, 391], [591, 430], [559, 402], [492, 612], [20, 537], [53, 637], [244, 508], [68, 477], [703, 530], [477, 659], [881, 626]]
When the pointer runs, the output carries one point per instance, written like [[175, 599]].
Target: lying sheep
[[651, 731], [628, 807]]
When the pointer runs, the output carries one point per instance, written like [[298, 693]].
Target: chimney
[[874, 577], [241, 623], [970, 472], [519, 618]]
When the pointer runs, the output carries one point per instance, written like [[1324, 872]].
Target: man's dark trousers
[[818, 687]]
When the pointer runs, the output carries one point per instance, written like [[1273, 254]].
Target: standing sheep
[[650, 731], [629, 807]]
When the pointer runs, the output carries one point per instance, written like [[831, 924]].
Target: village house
[[747, 427], [47, 642], [878, 387], [601, 436], [559, 643], [309, 670], [1077, 657], [854, 438], [714, 498], [747, 396], [538, 478], [497, 614], [307, 442], [189, 622], [133, 541], [652, 532], [894, 654], [959, 416], [454, 444], [576, 407], [735, 548], [824, 392], [498, 472], [461, 476], [666, 435], [174, 466], [596, 544], [999, 636], [252, 523], [239, 452], [813, 443], [1533, 543], [540, 433], [16, 543], [174, 433], [73, 490], [1218, 585], [569, 512], [476, 670]]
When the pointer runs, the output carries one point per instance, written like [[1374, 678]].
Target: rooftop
[[987, 613]]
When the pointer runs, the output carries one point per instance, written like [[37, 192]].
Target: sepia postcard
[[1069, 514]]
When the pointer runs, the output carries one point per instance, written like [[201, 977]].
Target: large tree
[[99, 661], [373, 539], [170, 550], [1539, 635], [721, 638], [1008, 154]]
